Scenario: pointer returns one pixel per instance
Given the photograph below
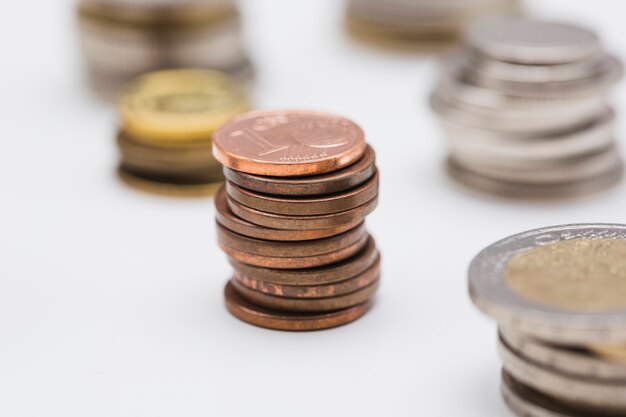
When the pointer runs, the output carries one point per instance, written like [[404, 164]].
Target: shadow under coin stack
[[291, 219], [419, 20], [559, 296], [122, 39], [524, 107], [167, 122]]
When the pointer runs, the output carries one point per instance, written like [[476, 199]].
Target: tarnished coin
[[587, 393], [564, 284], [530, 41], [325, 275], [295, 262], [306, 206], [288, 143], [227, 218], [173, 106], [305, 248], [345, 286], [281, 320], [357, 297], [332, 182], [279, 221]]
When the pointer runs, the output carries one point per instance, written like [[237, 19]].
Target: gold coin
[[174, 107], [579, 274]]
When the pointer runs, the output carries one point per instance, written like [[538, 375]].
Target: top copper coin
[[286, 143]]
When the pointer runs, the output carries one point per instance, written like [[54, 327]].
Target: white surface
[[111, 299]]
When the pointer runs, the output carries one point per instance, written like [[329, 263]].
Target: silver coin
[[568, 360], [552, 322], [592, 393], [523, 148], [530, 41]]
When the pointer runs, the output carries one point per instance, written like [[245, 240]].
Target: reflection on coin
[[288, 143], [282, 320]]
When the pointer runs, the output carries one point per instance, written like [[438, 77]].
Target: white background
[[111, 299]]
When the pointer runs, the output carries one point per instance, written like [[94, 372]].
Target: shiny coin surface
[[530, 41], [563, 284], [288, 143], [173, 106], [332, 182], [300, 321]]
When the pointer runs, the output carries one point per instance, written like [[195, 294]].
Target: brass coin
[[333, 182], [307, 305], [279, 221], [294, 263], [171, 107], [227, 218], [306, 206], [280, 320], [305, 248], [318, 291], [325, 275], [164, 187]]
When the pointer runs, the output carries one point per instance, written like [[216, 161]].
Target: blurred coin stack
[[291, 216], [419, 20], [122, 39], [559, 296], [525, 109], [167, 120]]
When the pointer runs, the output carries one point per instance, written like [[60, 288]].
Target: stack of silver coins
[[525, 109], [559, 297], [122, 39], [419, 20]]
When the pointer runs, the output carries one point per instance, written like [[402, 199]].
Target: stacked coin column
[[559, 297], [524, 107], [167, 122], [291, 219]]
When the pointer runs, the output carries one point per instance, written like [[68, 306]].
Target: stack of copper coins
[[167, 121], [291, 216], [122, 39]]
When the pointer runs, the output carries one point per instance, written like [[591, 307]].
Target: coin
[[279, 221], [173, 106], [530, 41], [289, 249], [227, 218], [615, 354], [561, 284], [282, 320], [166, 187], [329, 183], [288, 143], [325, 275], [295, 262], [346, 286], [307, 305]]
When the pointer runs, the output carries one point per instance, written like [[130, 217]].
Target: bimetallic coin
[[259, 316], [279, 221], [288, 143], [530, 41], [174, 106], [563, 284], [346, 286], [332, 182], [227, 218]]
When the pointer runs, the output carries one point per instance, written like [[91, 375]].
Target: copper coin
[[323, 221], [306, 305], [295, 263], [317, 291], [307, 206], [287, 143], [280, 320], [227, 218], [332, 182], [289, 249], [329, 274]]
